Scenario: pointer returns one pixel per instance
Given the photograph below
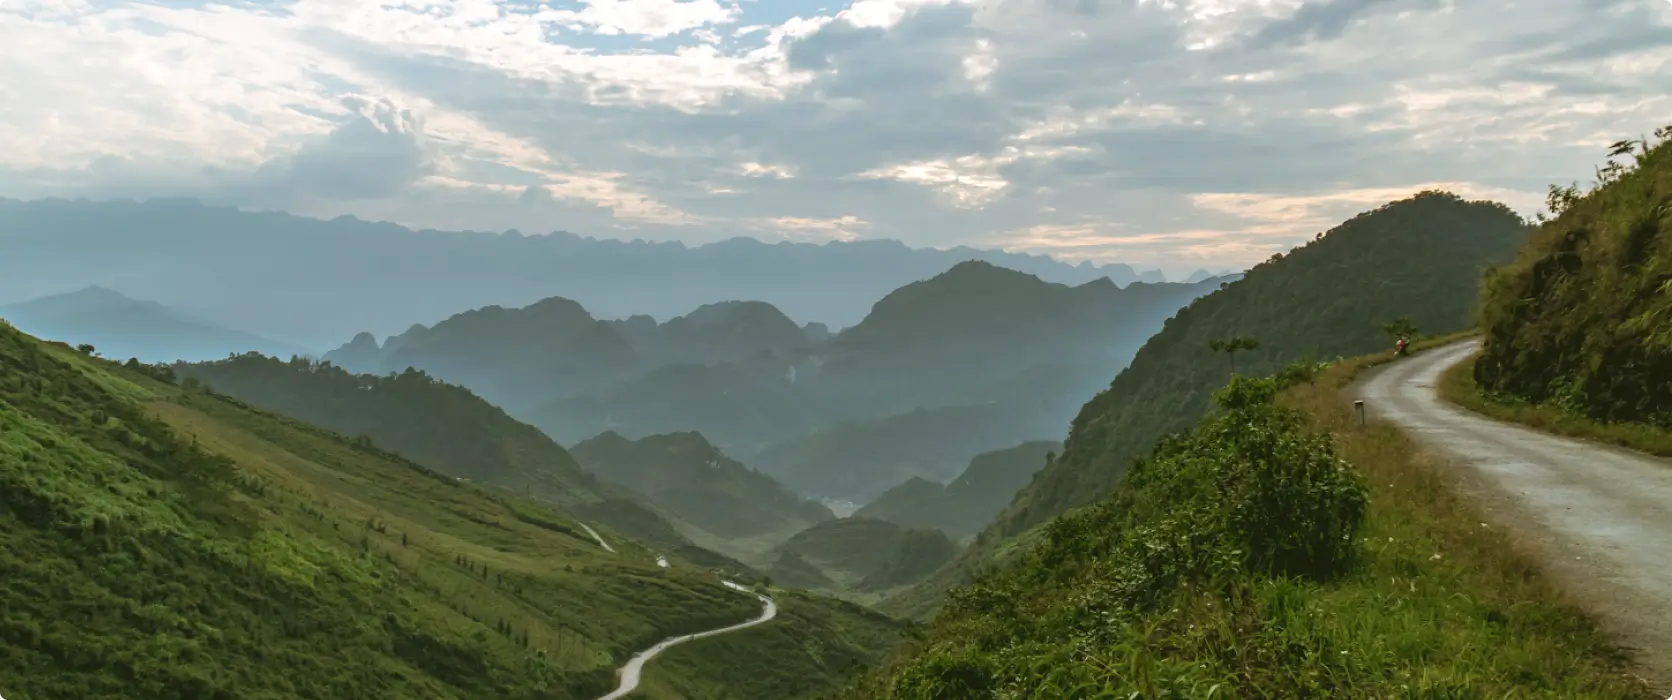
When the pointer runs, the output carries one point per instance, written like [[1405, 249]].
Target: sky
[[1176, 134]]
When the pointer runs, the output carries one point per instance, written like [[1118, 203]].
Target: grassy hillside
[[1581, 321], [694, 481], [160, 542], [441, 426], [1278, 550], [748, 666]]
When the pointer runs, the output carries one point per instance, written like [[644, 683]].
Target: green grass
[[1458, 386], [1433, 603], [747, 665], [157, 542]]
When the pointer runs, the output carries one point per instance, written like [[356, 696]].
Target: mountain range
[[122, 327], [312, 283], [1422, 257], [972, 359]]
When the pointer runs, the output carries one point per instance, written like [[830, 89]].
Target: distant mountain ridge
[[694, 481], [120, 326], [974, 350], [1421, 257], [313, 282], [966, 504]]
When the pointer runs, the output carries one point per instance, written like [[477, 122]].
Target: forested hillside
[[1582, 319], [1420, 258], [164, 542], [446, 428]]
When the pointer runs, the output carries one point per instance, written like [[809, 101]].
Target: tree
[[85, 349], [1232, 346], [1400, 327]]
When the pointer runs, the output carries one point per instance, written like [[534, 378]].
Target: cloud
[[1187, 133]]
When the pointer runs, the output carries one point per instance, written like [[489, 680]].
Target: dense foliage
[[1582, 320], [1249, 558]]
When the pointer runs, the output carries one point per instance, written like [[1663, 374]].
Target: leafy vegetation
[[161, 541], [1458, 386], [1582, 320], [1277, 550]]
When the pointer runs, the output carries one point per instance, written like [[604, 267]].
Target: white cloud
[[1183, 133]]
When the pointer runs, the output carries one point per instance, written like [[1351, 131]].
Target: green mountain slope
[[694, 481], [162, 542], [964, 506], [444, 427], [1277, 550], [122, 327], [1420, 257], [1582, 319]]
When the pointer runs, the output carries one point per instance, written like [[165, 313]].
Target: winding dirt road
[[1599, 516]]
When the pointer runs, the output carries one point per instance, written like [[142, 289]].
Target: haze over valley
[[876, 350]]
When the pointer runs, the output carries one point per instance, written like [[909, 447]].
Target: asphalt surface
[[1600, 517]]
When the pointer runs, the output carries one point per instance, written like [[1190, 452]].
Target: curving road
[[635, 666], [1600, 516], [630, 672]]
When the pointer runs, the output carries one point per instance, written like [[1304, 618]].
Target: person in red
[[1399, 349]]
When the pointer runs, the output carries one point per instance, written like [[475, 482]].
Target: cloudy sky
[[1178, 134]]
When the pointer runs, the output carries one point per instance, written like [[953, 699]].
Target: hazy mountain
[[866, 554], [977, 350], [938, 339], [694, 481], [1423, 257], [858, 461], [966, 505], [513, 357], [121, 327], [313, 282]]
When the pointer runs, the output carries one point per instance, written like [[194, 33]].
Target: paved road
[[1600, 516], [630, 672], [595, 536]]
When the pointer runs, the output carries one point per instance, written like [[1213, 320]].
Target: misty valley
[[870, 350]]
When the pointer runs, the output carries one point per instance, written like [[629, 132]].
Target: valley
[[990, 485]]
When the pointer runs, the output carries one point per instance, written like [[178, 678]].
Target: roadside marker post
[[1359, 405]]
